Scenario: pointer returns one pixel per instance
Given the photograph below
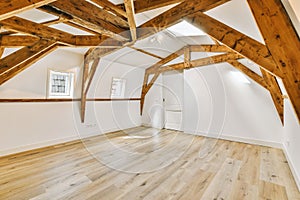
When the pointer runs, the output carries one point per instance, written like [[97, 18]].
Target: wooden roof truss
[[113, 27]]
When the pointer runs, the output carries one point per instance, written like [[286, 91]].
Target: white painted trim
[[237, 139], [292, 166]]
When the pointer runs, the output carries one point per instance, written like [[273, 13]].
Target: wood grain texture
[[129, 7], [146, 52], [231, 170], [86, 11], [9, 62], [145, 5], [1, 50], [12, 7], [30, 60], [82, 16], [75, 41], [107, 5], [201, 62], [283, 42], [175, 15], [235, 40]]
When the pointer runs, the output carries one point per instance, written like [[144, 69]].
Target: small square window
[[60, 84], [118, 88]]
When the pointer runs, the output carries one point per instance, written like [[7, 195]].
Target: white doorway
[[173, 95]]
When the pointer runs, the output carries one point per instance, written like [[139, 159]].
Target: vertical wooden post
[[83, 94], [187, 57]]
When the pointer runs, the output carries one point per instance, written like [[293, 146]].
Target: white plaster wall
[[217, 105], [27, 126]]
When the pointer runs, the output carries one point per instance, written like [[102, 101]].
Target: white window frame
[[117, 88], [58, 80]]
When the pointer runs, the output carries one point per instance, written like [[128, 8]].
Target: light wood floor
[[142, 163]]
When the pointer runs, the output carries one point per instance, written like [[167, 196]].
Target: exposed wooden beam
[[11, 7], [130, 16], [47, 23], [235, 40], [275, 92], [100, 52], [17, 40], [251, 74], [18, 61], [87, 77], [77, 41], [283, 42], [187, 57], [91, 75], [201, 62], [143, 92], [145, 5], [146, 52], [1, 51], [175, 15], [93, 17], [85, 74], [107, 5], [152, 69], [85, 20], [29, 27], [209, 48], [146, 87], [69, 20]]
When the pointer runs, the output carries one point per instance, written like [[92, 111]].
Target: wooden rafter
[[29, 27], [16, 62], [201, 62], [235, 40], [1, 51], [47, 23], [83, 9], [209, 48], [68, 19], [175, 15], [251, 74], [152, 69], [76, 41], [107, 5], [12, 7], [283, 42], [130, 16], [146, 52], [39, 30], [275, 92], [83, 17], [145, 5]]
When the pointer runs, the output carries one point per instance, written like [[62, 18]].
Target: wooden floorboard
[[146, 163]]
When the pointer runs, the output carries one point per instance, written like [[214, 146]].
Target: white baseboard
[[29, 147], [237, 139], [36, 146], [292, 166]]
